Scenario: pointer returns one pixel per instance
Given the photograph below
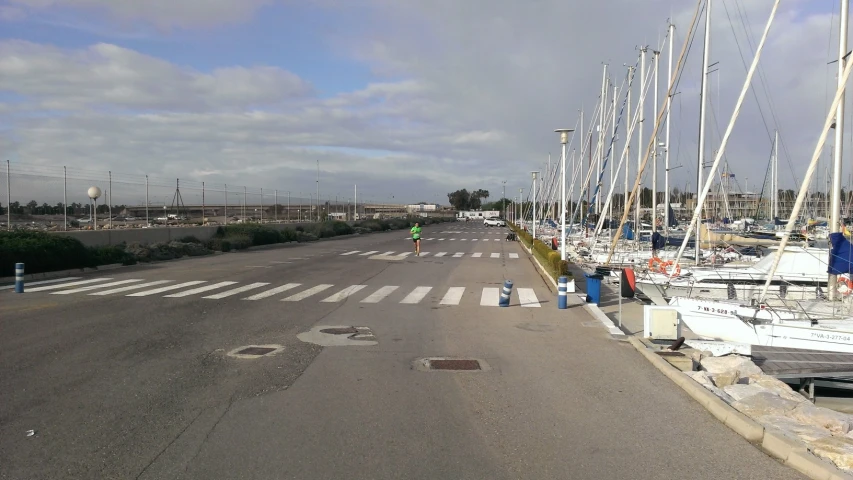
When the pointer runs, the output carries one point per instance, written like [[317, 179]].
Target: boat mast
[[613, 175], [835, 207], [775, 179], [627, 149], [703, 96], [641, 103], [601, 122], [655, 152], [666, 153]]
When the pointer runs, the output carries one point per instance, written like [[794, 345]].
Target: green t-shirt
[[416, 233]]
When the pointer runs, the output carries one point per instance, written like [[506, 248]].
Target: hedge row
[[43, 252], [548, 257]]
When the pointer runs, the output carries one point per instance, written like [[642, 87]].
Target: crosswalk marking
[[513, 255], [463, 239], [477, 254], [527, 297], [490, 297], [273, 291], [388, 253], [404, 254], [166, 289], [485, 239], [473, 239], [203, 289], [235, 291], [458, 254], [307, 293], [368, 253], [416, 295], [380, 294], [343, 294], [424, 254], [440, 254], [453, 296], [95, 287], [495, 255], [440, 239], [131, 287], [350, 253], [42, 282], [70, 284]]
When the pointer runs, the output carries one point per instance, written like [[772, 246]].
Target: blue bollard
[[562, 288], [19, 278], [505, 293]]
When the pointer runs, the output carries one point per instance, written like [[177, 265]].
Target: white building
[[422, 207], [477, 214]]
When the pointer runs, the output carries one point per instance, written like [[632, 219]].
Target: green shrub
[[238, 241], [190, 239], [41, 252], [288, 235], [219, 244], [342, 228], [110, 255], [257, 233]]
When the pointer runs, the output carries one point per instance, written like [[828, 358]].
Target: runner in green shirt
[[416, 238]]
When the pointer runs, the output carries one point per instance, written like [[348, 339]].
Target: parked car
[[494, 222]]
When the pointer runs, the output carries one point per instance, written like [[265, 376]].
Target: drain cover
[[340, 331], [257, 351], [454, 365], [445, 364]]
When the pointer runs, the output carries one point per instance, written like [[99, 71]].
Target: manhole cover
[[257, 351], [340, 331], [454, 365]]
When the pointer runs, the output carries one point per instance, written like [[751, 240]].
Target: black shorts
[[415, 240]]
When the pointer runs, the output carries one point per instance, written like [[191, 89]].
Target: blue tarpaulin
[[629, 234], [673, 222], [658, 241], [840, 254]]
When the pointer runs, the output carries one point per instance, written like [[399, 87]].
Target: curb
[[789, 451], [7, 281], [599, 315]]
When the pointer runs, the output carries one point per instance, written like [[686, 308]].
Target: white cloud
[[164, 13], [466, 94]]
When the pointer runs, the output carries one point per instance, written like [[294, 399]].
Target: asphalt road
[[133, 384]]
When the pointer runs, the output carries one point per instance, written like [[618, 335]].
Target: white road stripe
[[42, 282], [440, 254], [235, 291], [344, 293], [417, 295], [273, 291], [368, 253], [440, 239], [527, 297], [495, 255], [458, 254], [485, 239], [453, 296], [424, 254], [490, 297], [387, 253], [404, 254], [166, 289], [380, 294], [132, 287], [497, 239], [95, 287], [307, 293], [473, 239], [452, 239], [463, 239], [513, 255], [350, 253], [477, 254], [71, 284], [203, 289]]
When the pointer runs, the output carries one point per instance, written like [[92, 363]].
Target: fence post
[[562, 301]]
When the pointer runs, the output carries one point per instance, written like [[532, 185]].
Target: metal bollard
[[505, 293], [19, 278], [562, 288]]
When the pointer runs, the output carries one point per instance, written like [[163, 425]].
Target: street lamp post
[[564, 139], [503, 199], [520, 206]]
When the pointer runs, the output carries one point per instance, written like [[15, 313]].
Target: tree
[[32, 206], [460, 199]]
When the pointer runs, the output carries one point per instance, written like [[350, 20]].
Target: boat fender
[[627, 283]]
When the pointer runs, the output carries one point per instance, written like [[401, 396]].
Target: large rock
[[728, 364], [703, 379], [741, 391], [838, 450], [778, 387], [836, 422], [763, 404], [794, 429]]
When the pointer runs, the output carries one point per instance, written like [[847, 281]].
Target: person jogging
[[416, 238]]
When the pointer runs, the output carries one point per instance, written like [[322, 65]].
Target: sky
[[408, 100]]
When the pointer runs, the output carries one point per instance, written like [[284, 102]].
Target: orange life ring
[[664, 268], [845, 285], [653, 262]]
